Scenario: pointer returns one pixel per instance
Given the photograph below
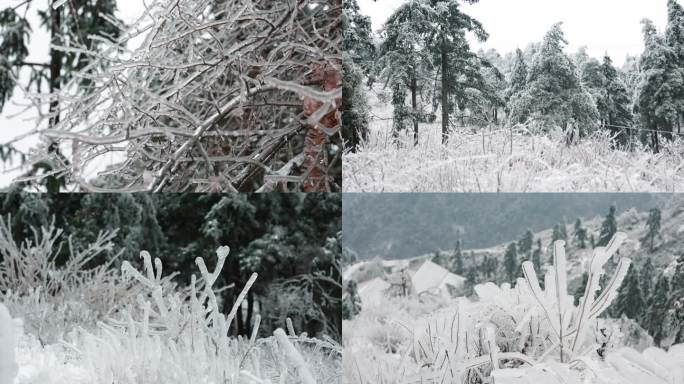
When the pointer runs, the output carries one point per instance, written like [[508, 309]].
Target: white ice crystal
[[8, 364]]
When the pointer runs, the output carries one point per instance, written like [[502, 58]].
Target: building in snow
[[373, 291], [434, 279]]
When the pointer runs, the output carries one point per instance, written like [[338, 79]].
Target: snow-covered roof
[[372, 289], [431, 276]]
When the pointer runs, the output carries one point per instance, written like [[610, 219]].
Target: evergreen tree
[[647, 273], [457, 265], [404, 62], [676, 300], [652, 227], [459, 68], [525, 245], [536, 257], [580, 234], [608, 227], [579, 292], [657, 308], [518, 78], [351, 305], [554, 94], [511, 264], [592, 241], [674, 37], [656, 100], [470, 282], [630, 300], [72, 24]]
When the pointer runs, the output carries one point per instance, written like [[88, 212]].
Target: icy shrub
[[182, 337], [52, 299]]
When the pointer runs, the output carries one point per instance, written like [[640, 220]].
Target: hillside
[[395, 226], [667, 246]]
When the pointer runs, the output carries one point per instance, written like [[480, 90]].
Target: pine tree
[[674, 37], [656, 101], [676, 300], [630, 300], [652, 227], [518, 78], [404, 62], [580, 234], [608, 227], [525, 245], [536, 256], [647, 273], [579, 292], [657, 307], [511, 263], [471, 280], [554, 94], [556, 234], [351, 305], [459, 68], [457, 265]]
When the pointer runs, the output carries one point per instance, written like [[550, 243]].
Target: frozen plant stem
[[561, 310]]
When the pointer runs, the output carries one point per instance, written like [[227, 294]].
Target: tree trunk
[[414, 106], [250, 311], [445, 94], [55, 64]]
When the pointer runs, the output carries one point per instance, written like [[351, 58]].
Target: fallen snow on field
[[481, 159]]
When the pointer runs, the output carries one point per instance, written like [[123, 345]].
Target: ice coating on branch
[[8, 364], [223, 251]]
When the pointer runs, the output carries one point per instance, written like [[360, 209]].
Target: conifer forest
[[341, 192], [428, 112]]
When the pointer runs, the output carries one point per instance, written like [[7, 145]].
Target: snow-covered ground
[[501, 160], [508, 334]]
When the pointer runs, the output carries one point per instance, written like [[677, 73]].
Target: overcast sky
[[611, 26], [11, 126]]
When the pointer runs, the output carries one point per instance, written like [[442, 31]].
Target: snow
[[433, 278], [485, 160], [8, 365], [372, 292]]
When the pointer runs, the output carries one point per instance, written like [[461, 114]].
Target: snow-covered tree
[[525, 245], [404, 63], [90, 24], [657, 307], [458, 67], [630, 300], [660, 83], [511, 263], [241, 97], [648, 272], [674, 37], [652, 227], [457, 261], [351, 304], [358, 52], [608, 227], [518, 79], [580, 234], [554, 95]]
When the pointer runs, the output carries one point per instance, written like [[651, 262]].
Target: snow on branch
[[223, 93]]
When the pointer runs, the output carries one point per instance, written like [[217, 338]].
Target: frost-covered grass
[[483, 160], [154, 332], [510, 335]]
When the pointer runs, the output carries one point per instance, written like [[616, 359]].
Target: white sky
[[10, 126], [612, 26]]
